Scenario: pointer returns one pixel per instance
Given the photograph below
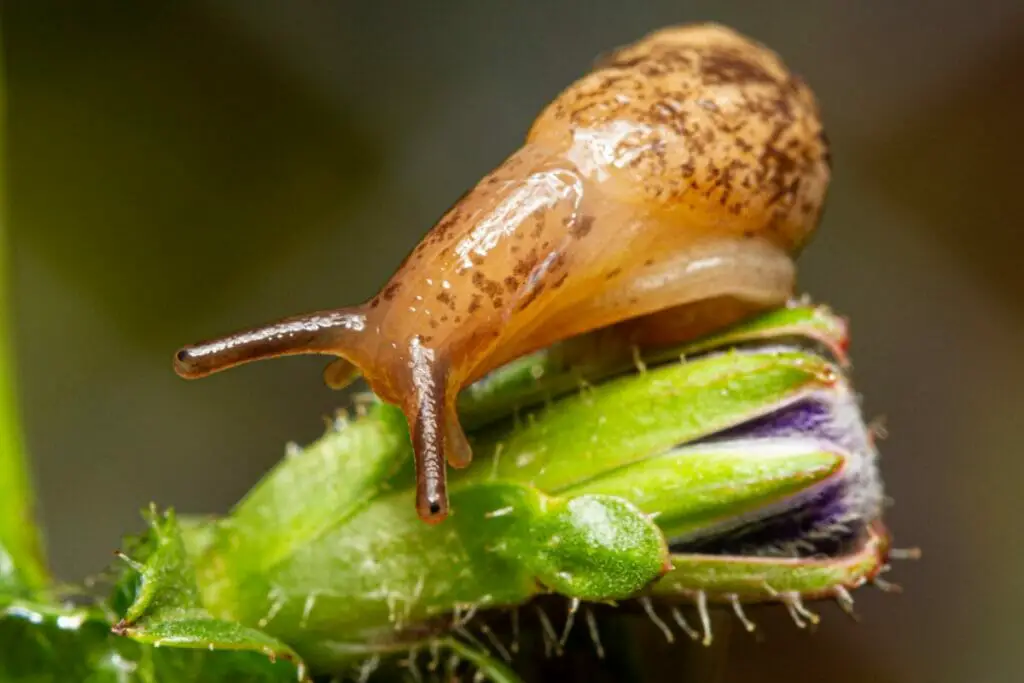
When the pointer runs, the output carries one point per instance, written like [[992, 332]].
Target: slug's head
[[417, 381]]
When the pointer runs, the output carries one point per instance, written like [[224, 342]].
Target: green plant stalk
[[22, 565]]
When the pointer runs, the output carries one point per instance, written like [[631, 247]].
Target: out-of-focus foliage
[[21, 558]]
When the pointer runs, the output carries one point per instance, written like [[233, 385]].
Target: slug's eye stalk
[[186, 365], [338, 333]]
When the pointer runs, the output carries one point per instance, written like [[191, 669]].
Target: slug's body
[[687, 168]]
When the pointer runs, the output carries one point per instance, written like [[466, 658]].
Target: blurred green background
[[177, 170]]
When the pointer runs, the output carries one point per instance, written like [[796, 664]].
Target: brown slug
[[688, 168]]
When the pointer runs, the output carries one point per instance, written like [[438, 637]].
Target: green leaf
[[588, 547], [597, 548], [166, 611], [47, 643]]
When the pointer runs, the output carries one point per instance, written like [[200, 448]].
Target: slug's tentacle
[[340, 332], [425, 410], [458, 452], [340, 373]]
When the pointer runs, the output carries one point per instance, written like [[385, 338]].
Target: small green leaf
[[589, 547], [597, 548], [167, 579], [50, 643], [167, 612]]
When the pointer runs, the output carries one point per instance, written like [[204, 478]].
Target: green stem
[[22, 566]]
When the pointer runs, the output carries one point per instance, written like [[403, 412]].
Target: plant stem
[[22, 566]]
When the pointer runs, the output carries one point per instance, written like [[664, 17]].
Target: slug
[[680, 177]]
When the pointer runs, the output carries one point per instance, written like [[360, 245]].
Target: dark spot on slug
[[612, 273], [447, 299], [582, 227], [725, 67], [787, 191], [474, 304], [489, 287], [526, 265], [538, 227]]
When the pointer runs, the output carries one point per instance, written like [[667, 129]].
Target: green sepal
[[694, 490], [597, 548], [565, 367], [167, 612], [588, 547], [638, 416], [341, 473], [768, 579], [798, 324]]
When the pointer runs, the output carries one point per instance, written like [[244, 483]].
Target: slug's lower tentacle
[[457, 450], [340, 373]]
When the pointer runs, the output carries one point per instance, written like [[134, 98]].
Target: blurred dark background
[[178, 170]]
